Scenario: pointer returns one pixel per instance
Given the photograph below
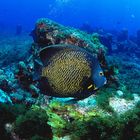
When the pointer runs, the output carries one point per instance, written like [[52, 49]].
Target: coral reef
[[11, 46], [112, 113], [4, 98]]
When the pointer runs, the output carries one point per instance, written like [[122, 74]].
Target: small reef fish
[[69, 71]]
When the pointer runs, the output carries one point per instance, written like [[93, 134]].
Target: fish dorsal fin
[[49, 51]]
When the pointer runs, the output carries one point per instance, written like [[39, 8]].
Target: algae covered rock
[[48, 32]]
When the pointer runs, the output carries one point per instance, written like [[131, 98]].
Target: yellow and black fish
[[69, 71]]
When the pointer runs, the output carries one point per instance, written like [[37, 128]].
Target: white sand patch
[[122, 105]]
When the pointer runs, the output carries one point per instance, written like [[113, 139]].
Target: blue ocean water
[[45, 45], [98, 13]]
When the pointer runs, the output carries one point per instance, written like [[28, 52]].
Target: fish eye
[[101, 73]]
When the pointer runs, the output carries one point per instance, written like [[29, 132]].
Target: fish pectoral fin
[[90, 86]]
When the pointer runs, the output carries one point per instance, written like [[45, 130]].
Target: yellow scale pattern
[[66, 71]]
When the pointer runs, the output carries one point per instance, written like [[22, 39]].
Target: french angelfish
[[69, 71]]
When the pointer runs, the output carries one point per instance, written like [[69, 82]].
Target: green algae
[[33, 122], [60, 120], [66, 119]]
